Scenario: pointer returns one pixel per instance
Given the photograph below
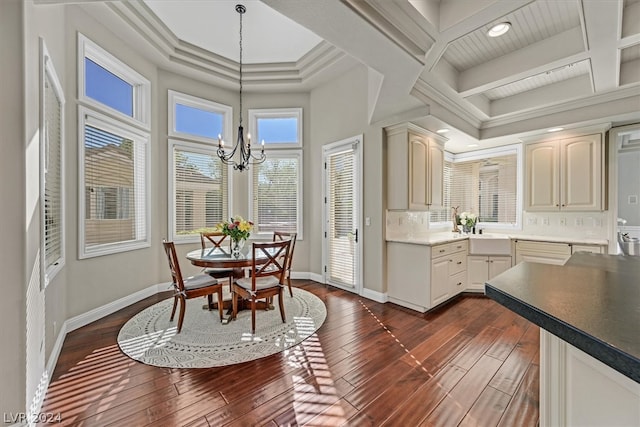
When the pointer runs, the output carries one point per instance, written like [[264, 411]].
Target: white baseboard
[[100, 312], [374, 295], [316, 277]]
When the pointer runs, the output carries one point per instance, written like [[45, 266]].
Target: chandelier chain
[[241, 12]]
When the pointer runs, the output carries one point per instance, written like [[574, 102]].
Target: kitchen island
[[589, 314]]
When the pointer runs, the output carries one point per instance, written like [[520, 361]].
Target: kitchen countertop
[[592, 302], [445, 237]]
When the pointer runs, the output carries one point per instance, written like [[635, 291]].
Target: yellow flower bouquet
[[237, 228]]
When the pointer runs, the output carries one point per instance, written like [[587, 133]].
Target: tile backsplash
[[566, 224], [408, 224]]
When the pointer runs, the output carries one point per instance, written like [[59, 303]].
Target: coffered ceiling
[[563, 63]]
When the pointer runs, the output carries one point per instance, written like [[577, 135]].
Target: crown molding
[[588, 101], [179, 52]]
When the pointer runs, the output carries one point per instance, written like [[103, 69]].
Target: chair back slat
[[174, 266], [216, 238], [279, 236], [276, 255]]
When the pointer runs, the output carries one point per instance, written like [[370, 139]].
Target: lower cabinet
[[578, 390], [542, 252], [481, 268], [420, 277]]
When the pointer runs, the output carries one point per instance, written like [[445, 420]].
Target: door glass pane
[[342, 218]]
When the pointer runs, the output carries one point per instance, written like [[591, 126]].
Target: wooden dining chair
[[267, 276], [192, 287], [215, 240], [279, 236]]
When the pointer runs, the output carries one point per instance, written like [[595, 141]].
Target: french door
[[342, 197]]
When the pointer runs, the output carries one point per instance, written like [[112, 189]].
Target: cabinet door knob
[[441, 250], [459, 283], [459, 262]]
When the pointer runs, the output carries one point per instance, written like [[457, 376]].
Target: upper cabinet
[[565, 174], [415, 166]]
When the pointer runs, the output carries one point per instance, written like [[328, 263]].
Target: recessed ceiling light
[[443, 130], [555, 129], [499, 29]]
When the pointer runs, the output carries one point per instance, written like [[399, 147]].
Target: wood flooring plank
[[356, 369], [523, 408], [453, 408], [514, 367], [395, 394], [487, 410], [418, 405]]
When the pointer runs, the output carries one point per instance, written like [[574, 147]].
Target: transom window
[[277, 127], [198, 119], [109, 85]]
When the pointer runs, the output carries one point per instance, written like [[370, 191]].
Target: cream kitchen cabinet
[[594, 249], [448, 271], [415, 168], [565, 174], [481, 268], [420, 277], [542, 252]]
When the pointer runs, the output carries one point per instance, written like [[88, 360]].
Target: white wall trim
[[100, 312], [376, 296], [316, 277]]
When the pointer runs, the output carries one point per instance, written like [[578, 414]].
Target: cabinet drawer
[[458, 263], [545, 247], [458, 282], [449, 248]]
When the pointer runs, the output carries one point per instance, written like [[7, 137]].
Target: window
[[114, 124], [51, 169], [198, 190], [276, 193], [198, 181], [109, 85], [278, 128], [486, 183], [113, 170], [198, 119]]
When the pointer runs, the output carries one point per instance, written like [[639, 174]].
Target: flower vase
[[466, 228], [236, 247]]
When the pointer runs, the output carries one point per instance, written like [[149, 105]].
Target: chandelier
[[246, 157]]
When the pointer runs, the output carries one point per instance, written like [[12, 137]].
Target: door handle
[[355, 234]]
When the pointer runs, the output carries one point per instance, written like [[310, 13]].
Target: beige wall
[[12, 210], [335, 111], [339, 111]]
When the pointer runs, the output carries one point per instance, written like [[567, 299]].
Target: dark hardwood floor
[[469, 363]]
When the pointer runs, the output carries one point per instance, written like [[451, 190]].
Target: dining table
[[219, 257]]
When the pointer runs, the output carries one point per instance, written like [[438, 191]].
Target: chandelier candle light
[[246, 157]]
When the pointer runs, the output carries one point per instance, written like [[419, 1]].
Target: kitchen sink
[[489, 244]]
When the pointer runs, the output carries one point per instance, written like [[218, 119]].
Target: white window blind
[[52, 211], [276, 193], [486, 187], [199, 189], [115, 187], [342, 216]]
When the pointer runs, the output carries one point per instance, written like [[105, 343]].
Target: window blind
[[486, 187], [342, 217], [200, 190], [276, 193], [114, 180], [53, 238]]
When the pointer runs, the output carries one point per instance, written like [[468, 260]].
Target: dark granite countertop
[[592, 302]]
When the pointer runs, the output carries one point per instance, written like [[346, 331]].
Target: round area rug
[[204, 342]]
